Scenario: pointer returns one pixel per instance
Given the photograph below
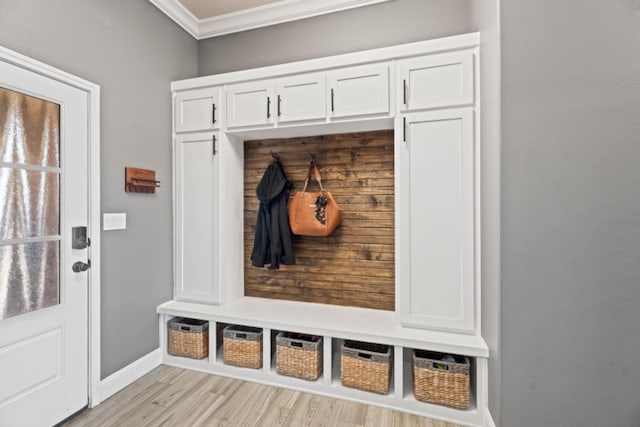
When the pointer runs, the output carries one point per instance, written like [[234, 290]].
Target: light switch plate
[[114, 221]]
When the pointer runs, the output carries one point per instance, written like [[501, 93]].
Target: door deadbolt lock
[[79, 238], [80, 266]]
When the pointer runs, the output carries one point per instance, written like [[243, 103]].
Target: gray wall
[[571, 213], [132, 51], [384, 24]]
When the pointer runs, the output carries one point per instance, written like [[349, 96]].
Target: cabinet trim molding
[[463, 41]]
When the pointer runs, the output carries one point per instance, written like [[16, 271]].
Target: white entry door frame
[[93, 147]]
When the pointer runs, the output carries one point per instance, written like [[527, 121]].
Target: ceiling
[[210, 18]]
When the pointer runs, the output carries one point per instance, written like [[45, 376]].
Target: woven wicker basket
[[366, 366], [188, 337], [299, 355], [242, 346], [441, 382]]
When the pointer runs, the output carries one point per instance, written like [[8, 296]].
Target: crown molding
[[181, 16], [263, 16]]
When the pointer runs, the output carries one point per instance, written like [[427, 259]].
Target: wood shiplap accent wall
[[355, 265]]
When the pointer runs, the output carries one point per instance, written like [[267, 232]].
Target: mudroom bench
[[335, 325]]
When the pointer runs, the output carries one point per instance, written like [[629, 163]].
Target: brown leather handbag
[[314, 213]]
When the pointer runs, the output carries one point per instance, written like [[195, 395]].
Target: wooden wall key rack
[[138, 180]]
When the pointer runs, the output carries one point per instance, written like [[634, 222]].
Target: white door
[[358, 91], [43, 303], [301, 98], [196, 182], [437, 210], [436, 81], [250, 104], [197, 109]]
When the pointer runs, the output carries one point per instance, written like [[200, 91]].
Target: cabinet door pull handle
[[404, 129], [332, 100], [213, 114], [268, 107], [279, 100], [213, 139], [404, 92]]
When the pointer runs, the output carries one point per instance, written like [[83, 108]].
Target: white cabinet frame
[[409, 326]]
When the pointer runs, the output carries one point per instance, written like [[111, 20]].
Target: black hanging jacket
[[273, 242]]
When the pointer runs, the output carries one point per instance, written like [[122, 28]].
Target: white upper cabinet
[[353, 91], [197, 110], [196, 246], [251, 104], [359, 90], [436, 228], [301, 98], [436, 81]]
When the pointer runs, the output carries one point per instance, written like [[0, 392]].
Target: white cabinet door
[[301, 98], [436, 227], [197, 110], [359, 90], [251, 104], [196, 195], [436, 81]]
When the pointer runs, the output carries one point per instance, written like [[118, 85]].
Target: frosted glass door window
[[30, 209]]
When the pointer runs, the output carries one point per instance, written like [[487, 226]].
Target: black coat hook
[[275, 156]]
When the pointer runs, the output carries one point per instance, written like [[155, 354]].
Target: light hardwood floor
[[170, 396]]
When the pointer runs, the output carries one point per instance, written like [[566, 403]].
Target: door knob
[[80, 266]]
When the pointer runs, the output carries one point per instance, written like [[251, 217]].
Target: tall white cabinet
[[437, 216], [437, 152], [196, 222], [427, 93]]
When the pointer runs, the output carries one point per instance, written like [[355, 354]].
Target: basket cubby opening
[[242, 346], [441, 365], [188, 338], [369, 367], [219, 328], [297, 355]]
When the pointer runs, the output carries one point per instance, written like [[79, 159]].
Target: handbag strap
[[316, 173]]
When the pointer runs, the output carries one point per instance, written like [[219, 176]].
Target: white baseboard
[[127, 375], [488, 420]]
